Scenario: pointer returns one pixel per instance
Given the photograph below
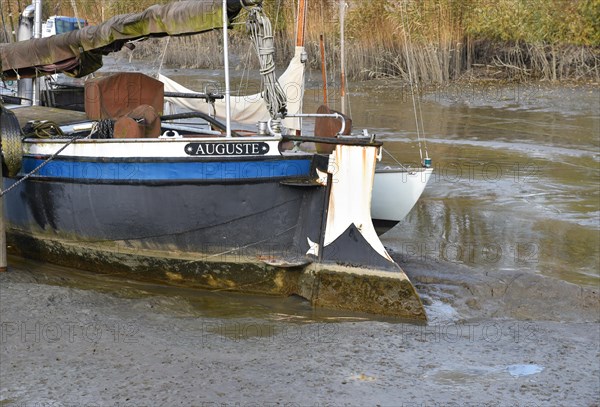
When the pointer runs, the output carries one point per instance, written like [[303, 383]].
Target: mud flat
[[505, 340]]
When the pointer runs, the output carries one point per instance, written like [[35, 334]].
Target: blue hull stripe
[[214, 170]]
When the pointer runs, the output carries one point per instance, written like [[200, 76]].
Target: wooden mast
[[343, 54], [301, 23], [301, 36]]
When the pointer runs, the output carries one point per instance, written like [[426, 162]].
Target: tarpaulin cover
[[79, 52]]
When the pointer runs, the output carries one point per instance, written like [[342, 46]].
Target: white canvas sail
[[249, 109]]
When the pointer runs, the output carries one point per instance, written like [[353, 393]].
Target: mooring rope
[[261, 33], [395, 159], [43, 129]]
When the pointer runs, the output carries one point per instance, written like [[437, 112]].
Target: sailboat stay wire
[[412, 81]]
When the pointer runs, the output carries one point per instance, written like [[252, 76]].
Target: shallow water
[[517, 174], [181, 301]]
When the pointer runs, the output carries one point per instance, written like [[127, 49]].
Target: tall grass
[[431, 41], [440, 40]]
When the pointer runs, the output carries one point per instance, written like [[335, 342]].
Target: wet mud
[[73, 338]]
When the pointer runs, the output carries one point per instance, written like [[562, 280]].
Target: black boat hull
[[274, 230]]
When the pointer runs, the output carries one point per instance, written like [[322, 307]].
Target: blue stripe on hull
[[127, 171]]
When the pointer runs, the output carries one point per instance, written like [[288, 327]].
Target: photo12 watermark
[[243, 332], [31, 331], [485, 332], [520, 253]]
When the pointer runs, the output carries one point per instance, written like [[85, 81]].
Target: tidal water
[[516, 184]]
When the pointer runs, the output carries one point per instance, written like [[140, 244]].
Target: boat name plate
[[227, 148]]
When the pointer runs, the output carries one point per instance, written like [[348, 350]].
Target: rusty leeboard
[[58, 116]]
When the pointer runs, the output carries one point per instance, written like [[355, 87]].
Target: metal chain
[[103, 129], [36, 169]]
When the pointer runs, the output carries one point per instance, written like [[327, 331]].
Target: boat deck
[[59, 116]]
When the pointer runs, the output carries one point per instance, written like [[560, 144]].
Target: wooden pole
[[301, 35], [301, 23], [13, 33], [343, 54], [324, 70], [3, 259]]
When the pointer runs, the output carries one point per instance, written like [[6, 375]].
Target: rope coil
[[261, 34], [42, 129]]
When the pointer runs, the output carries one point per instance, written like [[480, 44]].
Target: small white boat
[[396, 190]]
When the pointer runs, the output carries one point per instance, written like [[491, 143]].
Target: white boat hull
[[396, 191]]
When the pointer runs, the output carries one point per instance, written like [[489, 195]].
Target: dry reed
[[439, 40]]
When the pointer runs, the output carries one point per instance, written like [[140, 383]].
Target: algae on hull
[[324, 285]]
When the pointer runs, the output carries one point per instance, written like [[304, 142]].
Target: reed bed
[[428, 41]]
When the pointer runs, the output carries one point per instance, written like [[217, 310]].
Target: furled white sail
[[249, 109]]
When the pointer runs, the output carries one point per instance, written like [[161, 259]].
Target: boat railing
[[208, 96], [346, 141], [307, 115]]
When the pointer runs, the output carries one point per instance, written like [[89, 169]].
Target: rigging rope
[[164, 53], [244, 83], [404, 17], [261, 33]]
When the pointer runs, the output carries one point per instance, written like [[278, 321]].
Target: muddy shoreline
[[63, 345]]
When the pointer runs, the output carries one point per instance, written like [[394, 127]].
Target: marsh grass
[[429, 41]]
